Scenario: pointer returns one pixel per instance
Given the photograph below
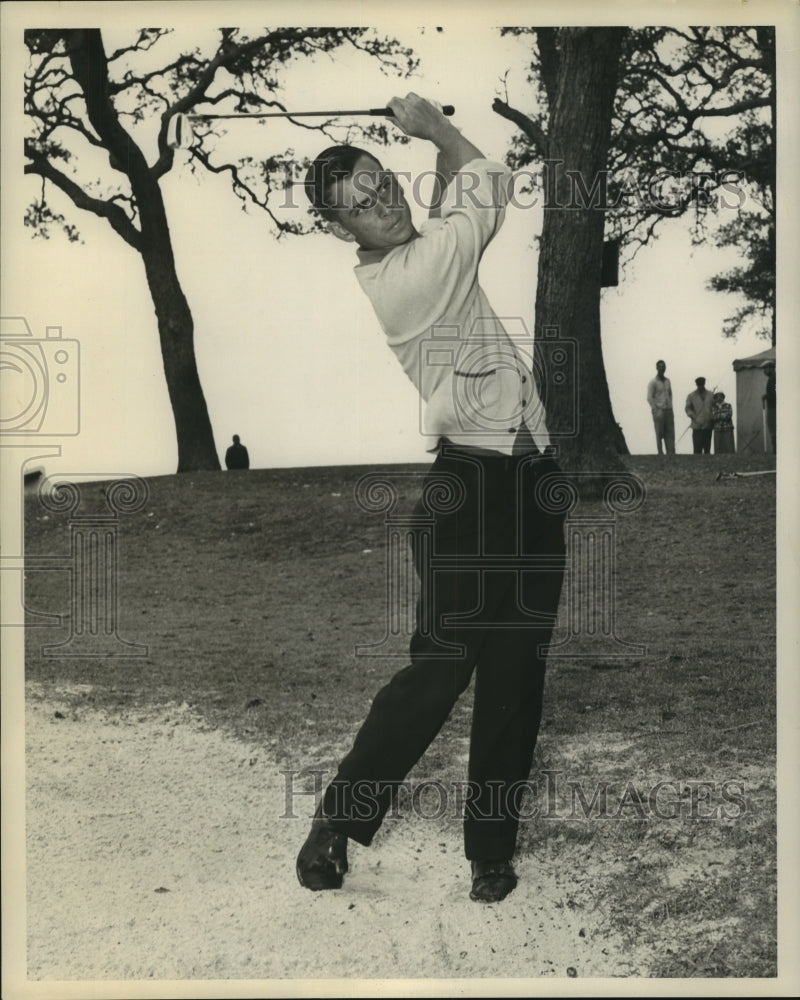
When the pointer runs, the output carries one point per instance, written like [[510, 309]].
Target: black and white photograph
[[399, 577]]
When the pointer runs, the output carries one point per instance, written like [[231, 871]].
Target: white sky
[[290, 355]]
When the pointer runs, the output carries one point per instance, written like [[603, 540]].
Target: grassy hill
[[251, 590]]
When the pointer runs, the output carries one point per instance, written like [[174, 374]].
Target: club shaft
[[448, 110]]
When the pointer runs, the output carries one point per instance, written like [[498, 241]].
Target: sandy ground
[[155, 850]]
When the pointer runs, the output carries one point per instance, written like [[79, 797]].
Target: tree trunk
[[195, 436], [579, 412], [196, 449], [766, 41]]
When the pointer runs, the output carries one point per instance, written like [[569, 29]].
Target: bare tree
[[694, 132], [579, 69], [691, 129], [90, 108]]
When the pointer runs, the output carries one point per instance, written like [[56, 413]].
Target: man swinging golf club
[[484, 417]]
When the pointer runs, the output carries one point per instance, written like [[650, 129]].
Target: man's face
[[371, 208], [661, 367]]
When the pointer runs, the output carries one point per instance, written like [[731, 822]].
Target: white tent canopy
[[752, 437]]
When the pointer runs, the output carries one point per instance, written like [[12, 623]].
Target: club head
[[179, 132]]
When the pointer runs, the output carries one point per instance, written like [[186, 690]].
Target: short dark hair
[[333, 164]]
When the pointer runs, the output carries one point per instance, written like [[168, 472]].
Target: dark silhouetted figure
[[722, 413], [769, 402], [659, 396], [236, 456], [699, 407]]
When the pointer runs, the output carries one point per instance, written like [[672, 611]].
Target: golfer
[[483, 414]]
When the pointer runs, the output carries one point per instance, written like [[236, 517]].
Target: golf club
[[180, 134], [742, 475]]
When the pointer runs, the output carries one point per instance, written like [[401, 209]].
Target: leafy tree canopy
[[692, 129]]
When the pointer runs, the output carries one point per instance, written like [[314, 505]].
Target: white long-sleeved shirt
[[659, 394], [471, 375]]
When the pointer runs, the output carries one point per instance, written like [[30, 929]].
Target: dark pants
[[509, 620], [771, 425], [701, 441]]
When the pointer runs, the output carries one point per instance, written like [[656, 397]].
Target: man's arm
[[419, 118], [441, 180]]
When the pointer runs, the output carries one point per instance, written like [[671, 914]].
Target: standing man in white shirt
[[484, 418], [659, 398]]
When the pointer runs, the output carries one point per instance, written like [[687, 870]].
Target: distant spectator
[[236, 456], [699, 406], [769, 401], [659, 398], [722, 413]]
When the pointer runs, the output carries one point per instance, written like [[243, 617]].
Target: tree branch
[[115, 216], [534, 132], [227, 53], [61, 117], [243, 191], [90, 68], [146, 40], [130, 80], [230, 55]]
